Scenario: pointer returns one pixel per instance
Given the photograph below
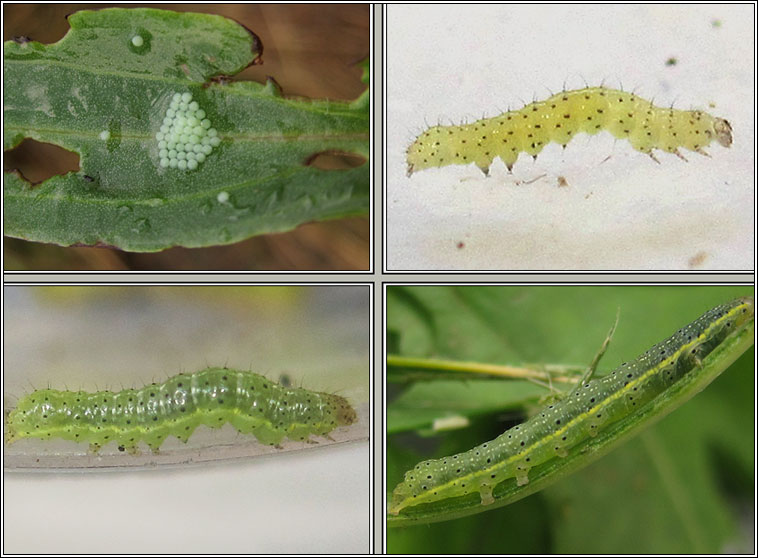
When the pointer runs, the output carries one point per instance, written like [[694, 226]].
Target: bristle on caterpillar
[[561, 117]]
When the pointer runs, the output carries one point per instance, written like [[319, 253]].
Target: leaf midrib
[[235, 137]]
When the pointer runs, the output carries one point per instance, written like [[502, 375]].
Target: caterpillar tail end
[[10, 437], [749, 314], [401, 498], [10, 432], [395, 506]]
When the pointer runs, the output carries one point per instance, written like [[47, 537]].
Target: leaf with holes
[[170, 156]]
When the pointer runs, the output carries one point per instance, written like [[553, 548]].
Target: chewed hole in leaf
[[335, 160], [36, 161]]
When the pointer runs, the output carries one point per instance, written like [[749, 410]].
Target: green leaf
[[258, 180], [409, 369], [421, 405], [651, 472]]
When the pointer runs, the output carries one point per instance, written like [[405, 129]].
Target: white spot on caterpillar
[[222, 197], [105, 135], [558, 119], [185, 137], [137, 41]]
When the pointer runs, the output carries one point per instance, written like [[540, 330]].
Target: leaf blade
[[68, 93]]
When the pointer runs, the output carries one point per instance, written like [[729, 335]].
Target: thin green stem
[[544, 373]]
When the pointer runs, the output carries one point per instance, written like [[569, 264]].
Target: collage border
[[379, 277]]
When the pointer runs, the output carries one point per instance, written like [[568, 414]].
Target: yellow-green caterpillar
[[560, 118], [551, 433], [252, 403]]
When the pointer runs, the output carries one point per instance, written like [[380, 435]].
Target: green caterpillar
[[551, 433], [560, 118], [214, 396]]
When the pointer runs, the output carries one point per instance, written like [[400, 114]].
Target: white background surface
[[314, 500], [453, 63]]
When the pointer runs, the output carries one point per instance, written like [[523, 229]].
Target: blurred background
[[311, 51]]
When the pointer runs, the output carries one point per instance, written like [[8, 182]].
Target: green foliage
[[669, 489], [103, 95]]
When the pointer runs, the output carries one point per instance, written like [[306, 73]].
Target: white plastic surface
[[308, 502], [619, 210]]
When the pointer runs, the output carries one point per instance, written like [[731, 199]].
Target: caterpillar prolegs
[[252, 403], [561, 117], [554, 431]]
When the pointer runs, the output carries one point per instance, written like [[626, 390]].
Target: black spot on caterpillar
[[561, 117], [590, 407], [252, 403]]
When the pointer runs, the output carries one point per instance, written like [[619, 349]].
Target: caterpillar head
[[747, 311], [723, 132], [345, 413]]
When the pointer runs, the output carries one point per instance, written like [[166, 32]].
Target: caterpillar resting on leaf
[[590, 407], [560, 118], [252, 403]]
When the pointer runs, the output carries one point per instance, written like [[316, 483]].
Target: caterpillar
[[560, 118], [214, 396], [553, 431]]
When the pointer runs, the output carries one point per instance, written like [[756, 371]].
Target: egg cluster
[[186, 137]]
